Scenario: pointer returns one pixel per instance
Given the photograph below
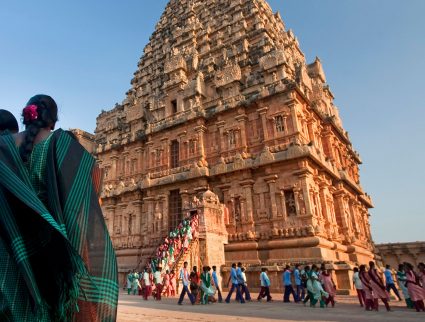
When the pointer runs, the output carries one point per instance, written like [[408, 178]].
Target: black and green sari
[[56, 257]]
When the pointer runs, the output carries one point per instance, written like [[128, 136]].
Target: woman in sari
[[329, 286], [421, 269], [367, 288], [167, 288], [173, 283], [55, 252], [402, 278], [416, 292], [206, 289], [315, 289], [378, 287]]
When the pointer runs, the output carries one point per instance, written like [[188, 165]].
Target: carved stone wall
[[397, 253], [223, 87]]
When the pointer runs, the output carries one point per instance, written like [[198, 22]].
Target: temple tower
[[224, 98]]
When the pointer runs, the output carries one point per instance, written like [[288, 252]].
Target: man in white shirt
[[184, 276], [147, 275], [359, 286], [158, 283]]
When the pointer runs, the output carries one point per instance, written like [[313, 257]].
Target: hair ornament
[[30, 113]]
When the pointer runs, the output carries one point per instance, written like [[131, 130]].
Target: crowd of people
[[56, 254], [310, 284], [175, 244]]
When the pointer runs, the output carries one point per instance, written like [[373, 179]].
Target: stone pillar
[[185, 199], [285, 124], [263, 112], [247, 186], [139, 152], [294, 117], [111, 218], [306, 194], [297, 203], [149, 216], [340, 201], [283, 201], [200, 130], [272, 188], [220, 126], [137, 217], [114, 168], [242, 123], [148, 161]]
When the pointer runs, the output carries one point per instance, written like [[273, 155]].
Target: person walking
[[305, 275], [402, 279], [265, 286], [184, 276], [300, 290], [157, 276], [235, 285], [130, 277], [287, 282], [147, 283], [216, 284], [378, 287], [317, 293], [417, 293], [367, 288], [243, 282], [329, 287], [358, 285], [389, 281]]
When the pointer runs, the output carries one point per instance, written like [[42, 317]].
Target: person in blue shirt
[[240, 273], [265, 286], [300, 291], [390, 281], [235, 285], [217, 286], [287, 282], [184, 276]]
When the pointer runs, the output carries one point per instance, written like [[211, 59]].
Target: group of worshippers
[[149, 283], [56, 254], [371, 287], [175, 244], [311, 283], [200, 287]]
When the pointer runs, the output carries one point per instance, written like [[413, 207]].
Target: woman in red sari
[[367, 287], [416, 292], [378, 287]]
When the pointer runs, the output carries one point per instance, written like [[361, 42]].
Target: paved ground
[[133, 308]]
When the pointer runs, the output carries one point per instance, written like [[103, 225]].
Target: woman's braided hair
[[47, 116]]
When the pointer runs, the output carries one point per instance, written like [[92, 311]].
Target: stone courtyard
[[133, 308]]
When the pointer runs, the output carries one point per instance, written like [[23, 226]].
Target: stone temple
[[225, 118]]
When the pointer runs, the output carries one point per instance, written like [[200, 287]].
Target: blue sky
[[84, 53]]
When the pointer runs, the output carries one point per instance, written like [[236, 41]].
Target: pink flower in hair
[[30, 113]]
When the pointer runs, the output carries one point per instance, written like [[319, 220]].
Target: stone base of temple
[[276, 254]]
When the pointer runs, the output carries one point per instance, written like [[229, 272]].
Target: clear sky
[[83, 53]]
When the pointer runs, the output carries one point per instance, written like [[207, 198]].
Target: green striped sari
[[56, 257]]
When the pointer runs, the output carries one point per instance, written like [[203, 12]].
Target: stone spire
[[205, 56]]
